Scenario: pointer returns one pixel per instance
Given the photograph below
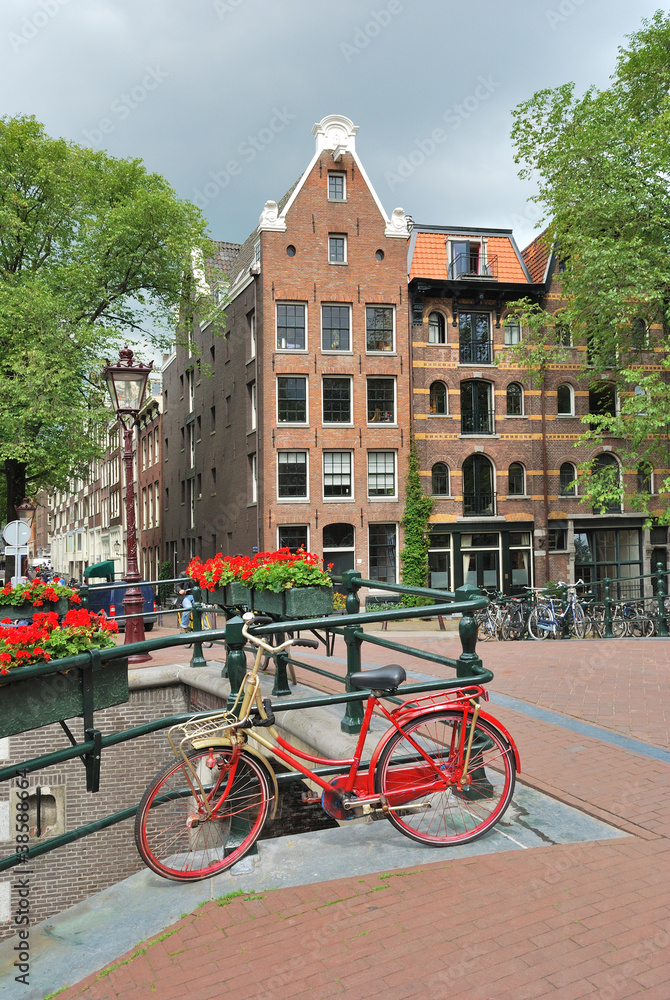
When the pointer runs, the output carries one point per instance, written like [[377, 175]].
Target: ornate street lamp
[[127, 383]]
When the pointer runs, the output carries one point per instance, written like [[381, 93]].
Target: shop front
[[497, 560]]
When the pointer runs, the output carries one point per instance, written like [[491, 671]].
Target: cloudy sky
[[220, 96]]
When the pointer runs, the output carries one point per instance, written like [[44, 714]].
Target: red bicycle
[[443, 773]]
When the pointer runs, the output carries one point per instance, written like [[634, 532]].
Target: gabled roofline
[[465, 231]]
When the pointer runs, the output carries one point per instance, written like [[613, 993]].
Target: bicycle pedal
[[309, 799]]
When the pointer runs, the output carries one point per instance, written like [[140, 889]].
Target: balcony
[[480, 422], [479, 504], [475, 352], [471, 265]]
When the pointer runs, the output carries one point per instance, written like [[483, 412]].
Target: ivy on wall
[[418, 506]]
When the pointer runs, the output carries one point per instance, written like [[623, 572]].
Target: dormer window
[[469, 259], [337, 186]]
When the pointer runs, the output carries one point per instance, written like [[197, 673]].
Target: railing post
[[353, 714], [468, 661], [83, 596], [198, 659], [281, 688], [351, 583], [660, 597], [608, 609], [236, 659]]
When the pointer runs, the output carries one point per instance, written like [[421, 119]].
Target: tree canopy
[[602, 164], [93, 249]]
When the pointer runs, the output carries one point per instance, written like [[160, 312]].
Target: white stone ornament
[[397, 224], [269, 219]]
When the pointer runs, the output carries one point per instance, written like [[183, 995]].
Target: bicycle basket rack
[[182, 738]]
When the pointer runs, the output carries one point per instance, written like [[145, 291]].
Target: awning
[[103, 569]]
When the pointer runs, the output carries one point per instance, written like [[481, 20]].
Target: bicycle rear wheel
[[175, 833], [447, 815], [576, 622], [540, 623]]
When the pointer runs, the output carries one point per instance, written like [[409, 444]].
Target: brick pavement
[[558, 922]]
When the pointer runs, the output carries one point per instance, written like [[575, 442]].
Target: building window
[[557, 539], [252, 334], [379, 328], [337, 187], [563, 335], [476, 407], [291, 399], [381, 400], [337, 249], [644, 478], [478, 487], [567, 480], [565, 400], [602, 402], [252, 406], [335, 328], [337, 400], [516, 480], [466, 259], [512, 334], [381, 474], [291, 327], [338, 547], [292, 475], [613, 553], [337, 478], [382, 552], [475, 339], [514, 400], [440, 480], [253, 476], [436, 329], [606, 469], [438, 399], [292, 536], [639, 334], [439, 561]]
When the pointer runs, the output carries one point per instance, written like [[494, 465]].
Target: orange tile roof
[[430, 257], [536, 256]]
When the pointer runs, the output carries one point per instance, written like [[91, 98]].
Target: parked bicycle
[[546, 620], [443, 773]]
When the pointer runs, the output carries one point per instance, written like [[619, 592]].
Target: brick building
[[498, 453], [300, 434], [149, 485]]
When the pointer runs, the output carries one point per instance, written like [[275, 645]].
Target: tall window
[[381, 400], [335, 328], [291, 327], [436, 329], [475, 338], [607, 470], [252, 405], [438, 399], [476, 407], [478, 486], [253, 478], [644, 478], [382, 552], [337, 189], [440, 480], [564, 400], [337, 400], [512, 334], [379, 328], [516, 480], [337, 478], [514, 400], [339, 546], [602, 400], [292, 475], [291, 399], [252, 334], [381, 474], [337, 249], [567, 480], [563, 335]]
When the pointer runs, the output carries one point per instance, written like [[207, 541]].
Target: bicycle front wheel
[[181, 834], [448, 815], [577, 622], [540, 623]]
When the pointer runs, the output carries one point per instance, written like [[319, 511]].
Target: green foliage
[[339, 601], [541, 344], [414, 555], [601, 161], [165, 591]]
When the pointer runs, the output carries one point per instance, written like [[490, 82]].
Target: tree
[[602, 162], [92, 248]]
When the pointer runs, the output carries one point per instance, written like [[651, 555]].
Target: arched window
[[607, 470], [514, 400], [516, 480], [564, 400], [436, 329], [478, 487], [568, 478], [438, 399], [639, 333], [644, 478], [440, 480]]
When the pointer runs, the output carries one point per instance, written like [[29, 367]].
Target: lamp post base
[[133, 604]]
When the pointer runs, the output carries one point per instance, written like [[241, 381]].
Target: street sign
[[16, 533]]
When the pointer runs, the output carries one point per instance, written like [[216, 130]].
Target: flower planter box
[[296, 602], [233, 595], [31, 702], [22, 612]]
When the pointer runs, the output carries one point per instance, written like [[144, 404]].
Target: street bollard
[[353, 715], [280, 688], [660, 597], [609, 634], [468, 661], [198, 659]]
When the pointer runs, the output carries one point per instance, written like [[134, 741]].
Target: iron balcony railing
[[479, 504], [480, 422], [475, 352], [471, 265]]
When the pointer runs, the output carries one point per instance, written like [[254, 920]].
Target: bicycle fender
[[223, 742], [498, 725]]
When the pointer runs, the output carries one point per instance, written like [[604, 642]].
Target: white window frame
[[343, 175], [337, 350], [386, 498], [338, 423], [562, 416], [382, 423], [380, 305], [297, 525], [438, 343], [431, 415], [286, 451], [511, 343], [338, 451], [575, 479], [524, 493], [338, 236], [253, 415], [291, 350], [254, 478], [292, 423], [252, 334], [516, 416]]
